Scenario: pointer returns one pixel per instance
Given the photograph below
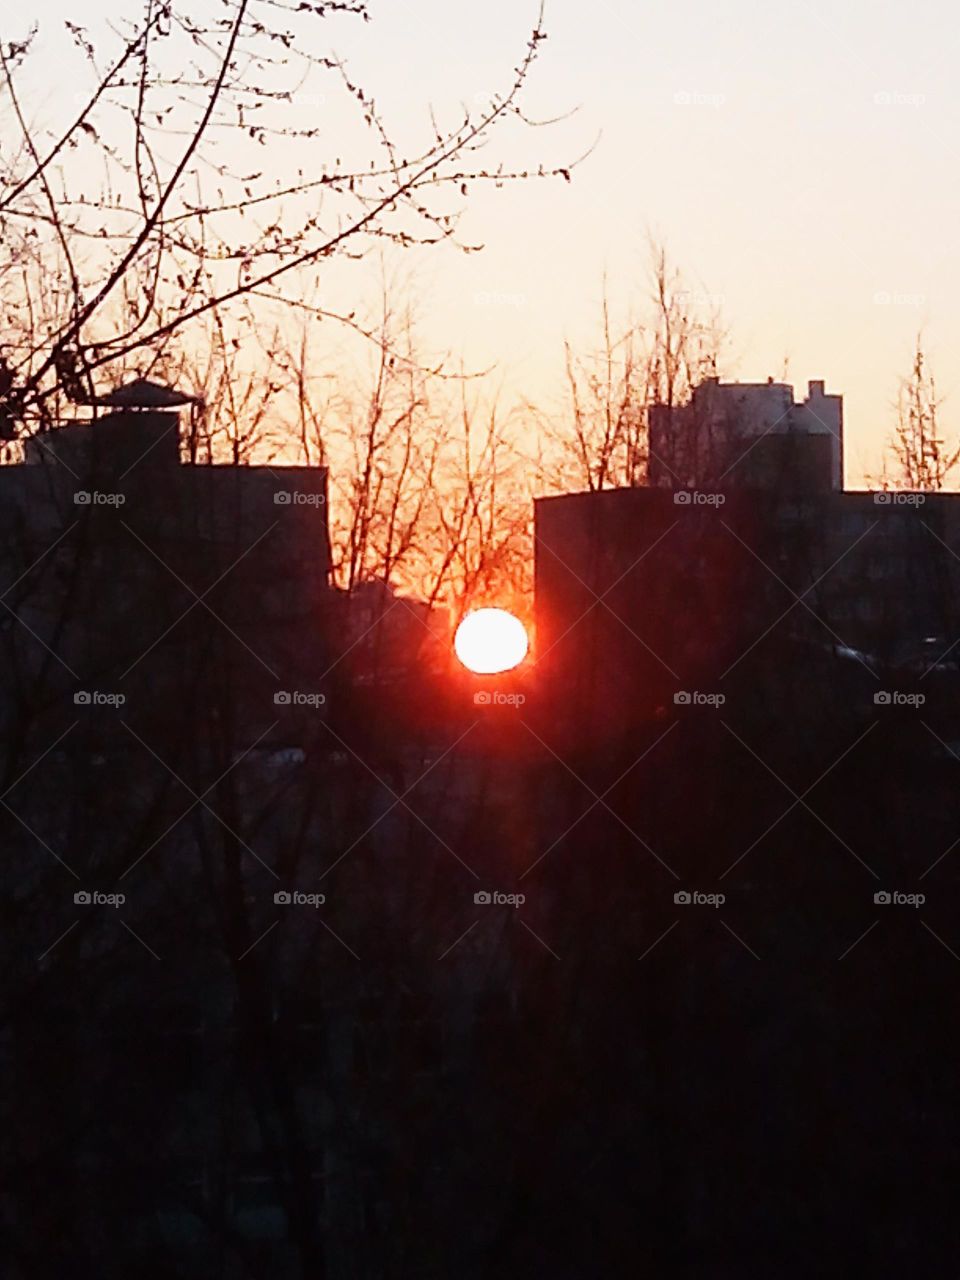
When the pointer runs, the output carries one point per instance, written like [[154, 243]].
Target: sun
[[489, 641]]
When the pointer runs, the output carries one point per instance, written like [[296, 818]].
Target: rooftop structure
[[128, 566], [743, 433]]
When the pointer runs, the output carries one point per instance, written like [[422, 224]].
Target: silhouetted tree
[[923, 458], [654, 356], [193, 181]]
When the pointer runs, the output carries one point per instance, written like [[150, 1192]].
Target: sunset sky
[[799, 160]]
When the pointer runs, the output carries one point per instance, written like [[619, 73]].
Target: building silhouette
[[748, 434], [743, 547], [223, 1075]]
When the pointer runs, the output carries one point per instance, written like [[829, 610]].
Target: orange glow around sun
[[490, 641]]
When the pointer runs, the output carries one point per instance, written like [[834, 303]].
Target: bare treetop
[[199, 172]]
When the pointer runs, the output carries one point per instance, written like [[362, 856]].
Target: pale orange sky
[[799, 159]]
